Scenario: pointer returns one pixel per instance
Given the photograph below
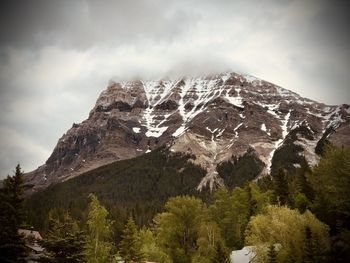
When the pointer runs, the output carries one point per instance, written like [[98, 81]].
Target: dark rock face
[[168, 105], [212, 117], [120, 105]]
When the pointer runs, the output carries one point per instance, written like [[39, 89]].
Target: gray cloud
[[82, 24], [57, 56]]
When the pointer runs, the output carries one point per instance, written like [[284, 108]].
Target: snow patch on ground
[[179, 131], [309, 149], [156, 131], [237, 127], [250, 78], [136, 129], [152, 91], [237, 100], [335, 118], [204, 90], [225, 77]]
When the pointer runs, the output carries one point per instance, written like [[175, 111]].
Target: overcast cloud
[[57, 56]]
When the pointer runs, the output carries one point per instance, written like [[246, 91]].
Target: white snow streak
[[279, 142]]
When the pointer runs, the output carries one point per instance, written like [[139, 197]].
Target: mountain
[[139, 186], [218, 119]]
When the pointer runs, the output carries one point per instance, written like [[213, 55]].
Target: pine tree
[[64, 242], [252, 203], [98, 245], [314, 250], [130, 247], [220, 255], [271, 254], [281, 187], [12, 247], [302, 185]]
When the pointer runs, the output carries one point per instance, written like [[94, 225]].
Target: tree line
[[298, 217]]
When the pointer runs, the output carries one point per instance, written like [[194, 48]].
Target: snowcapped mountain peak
[[212, 117]]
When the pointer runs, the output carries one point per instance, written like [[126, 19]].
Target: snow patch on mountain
[[278, 143], [136, 130]]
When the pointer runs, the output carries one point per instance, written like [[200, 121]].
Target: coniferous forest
[[148, 209]]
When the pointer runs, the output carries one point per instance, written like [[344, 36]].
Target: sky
[[57, 56]]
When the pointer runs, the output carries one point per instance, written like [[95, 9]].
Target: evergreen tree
[[221, 254], [281, 187], [314, 250], [301, 202], [130, 247], [252, 203], [302, 185], [64, 242], [271, 254], [98, 245], [309, 248], [331, 182], [12, 247]]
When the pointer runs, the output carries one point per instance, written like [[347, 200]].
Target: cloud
[[83, 24], [57, 56]]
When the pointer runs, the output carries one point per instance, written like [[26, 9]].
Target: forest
[[148, 209]]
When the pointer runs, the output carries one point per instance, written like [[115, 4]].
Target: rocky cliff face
[[212, 117]]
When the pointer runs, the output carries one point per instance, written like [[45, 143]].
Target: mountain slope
[[138, 186], [212, 117]]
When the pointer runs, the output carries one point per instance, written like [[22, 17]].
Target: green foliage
[[130, 246], [272, 254], [313, 249], [232, 211], [12, 248], [285, 227], [138, 186], [150, 248], [209, 243], [178, 227], [341, 247], [64, 241], [221, 254], [301, 184], [98, 245], [240, 170], [265, 183], [281, 188], [301, 202], [331, 182]]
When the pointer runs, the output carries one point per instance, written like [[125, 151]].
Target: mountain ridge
[[212, 117]]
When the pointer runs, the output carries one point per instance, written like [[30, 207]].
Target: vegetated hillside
[[291, 154], [137, 187], [238, 171]]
